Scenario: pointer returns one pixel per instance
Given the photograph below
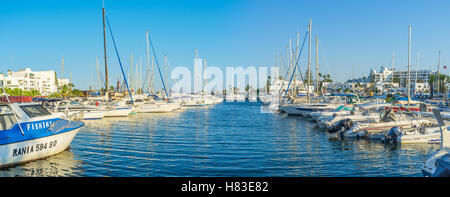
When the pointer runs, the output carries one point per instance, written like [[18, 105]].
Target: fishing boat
[[438, 162], [30, 132], [388, 120]]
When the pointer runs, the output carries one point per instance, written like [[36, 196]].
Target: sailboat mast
[[131, 73], [98, 73], [393, 69], [148, 63], [417, 68], [309, 61], [104, 46], [409, 59], [439, 72], [204, 76], [139, 74], [291, 64], [317, 64], [62, 71], [151, 77], [165, 68]]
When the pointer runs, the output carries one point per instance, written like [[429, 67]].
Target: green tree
[[268, 84], [247, 88]]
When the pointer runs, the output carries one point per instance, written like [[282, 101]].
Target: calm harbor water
[[229, 139]]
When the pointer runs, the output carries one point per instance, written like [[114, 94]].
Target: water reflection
[[63, 164], [230, 139]]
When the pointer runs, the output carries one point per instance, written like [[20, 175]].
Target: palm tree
[[267, 84], [431, 83], [443, 79]]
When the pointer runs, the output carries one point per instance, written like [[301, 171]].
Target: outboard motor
[[391, 137], [341, 125]]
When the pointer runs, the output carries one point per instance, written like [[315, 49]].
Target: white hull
[[305, 110], [364, 129], [118, 112], [432, 135], [91, 115], [327, 122], [158, 107], [155, 109], [292, 110], [21, 152]]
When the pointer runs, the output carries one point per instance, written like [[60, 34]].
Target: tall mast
[[139, 74], [291, 66], [409, 59], [165, 65], [62, 70], [106, 64], [309, 61], [417, 68], [98, 73], [136, 83], [439, 71], [295, 60], [317, 64], [131, 73], [148, 64], [393, 69], [151, 77], [353, 78], [204, 76], [288, 65]]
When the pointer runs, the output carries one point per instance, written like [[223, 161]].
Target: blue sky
[[353, 34]]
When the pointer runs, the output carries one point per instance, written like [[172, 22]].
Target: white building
[[383, 79], [279, 85], [26, 79], [386, 75]]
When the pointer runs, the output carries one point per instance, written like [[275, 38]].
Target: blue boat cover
[[443, 167]]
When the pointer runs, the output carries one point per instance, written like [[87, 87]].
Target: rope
[[295, 67], [118, 57], [159, 70]]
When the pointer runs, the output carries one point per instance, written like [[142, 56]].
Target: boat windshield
[[35, 110], [7, 119]]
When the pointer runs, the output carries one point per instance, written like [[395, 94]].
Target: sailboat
[[114, 109]]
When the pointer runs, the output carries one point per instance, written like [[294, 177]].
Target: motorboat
[[30, 132], [397, 135], [341, 110], [388, 120], [305, 109]]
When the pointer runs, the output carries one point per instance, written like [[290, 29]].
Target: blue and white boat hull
[[37, 142]]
